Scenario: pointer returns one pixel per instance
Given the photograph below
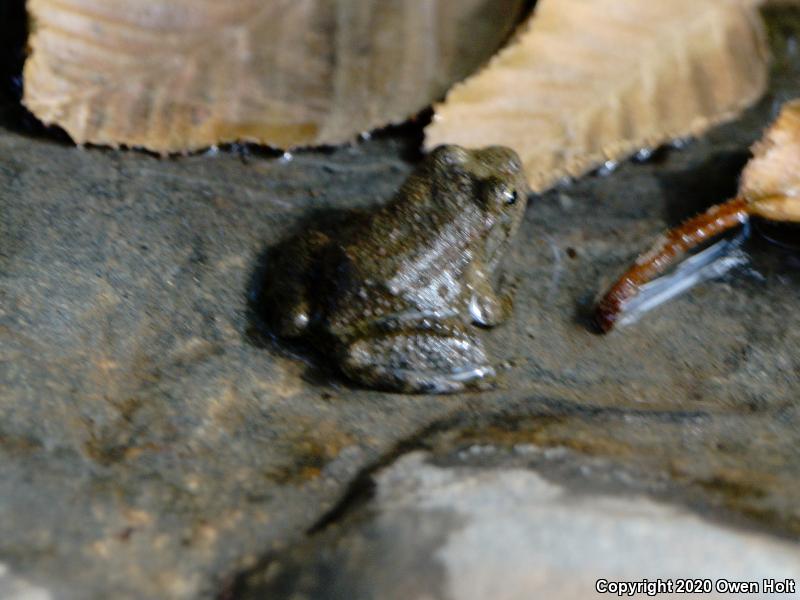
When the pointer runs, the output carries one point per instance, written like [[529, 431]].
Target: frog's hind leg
[[419, 361], [288, 292]]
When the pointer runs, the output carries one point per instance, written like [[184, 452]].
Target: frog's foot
[[419, 361]]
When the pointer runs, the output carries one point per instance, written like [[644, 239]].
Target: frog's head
[[497, 185]]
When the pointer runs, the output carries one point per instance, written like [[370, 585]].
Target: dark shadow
[[477, 32], [411, 131], [774, 251], [261, 312], [584, 315], [659, 156], [693, 190], [13, 34], [783, 235], [13, 47]]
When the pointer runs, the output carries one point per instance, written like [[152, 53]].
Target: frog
[[397, 296]]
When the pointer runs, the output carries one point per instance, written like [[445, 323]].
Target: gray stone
[[16, 588], [509, 534]]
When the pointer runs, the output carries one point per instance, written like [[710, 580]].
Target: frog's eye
[[510, 196], [498, 193]]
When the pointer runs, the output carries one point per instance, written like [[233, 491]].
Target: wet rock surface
[[154, 442]]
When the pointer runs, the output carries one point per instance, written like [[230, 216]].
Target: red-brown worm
[[671, 246]]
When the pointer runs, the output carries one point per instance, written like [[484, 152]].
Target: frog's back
[[408, 262]]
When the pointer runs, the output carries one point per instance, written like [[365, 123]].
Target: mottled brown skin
[[391, 297]]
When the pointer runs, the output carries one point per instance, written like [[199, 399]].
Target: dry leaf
[[774, 170], [595, 80], [172, 75]]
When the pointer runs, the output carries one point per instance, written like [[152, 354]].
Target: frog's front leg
[[423, 358], [488, 307]]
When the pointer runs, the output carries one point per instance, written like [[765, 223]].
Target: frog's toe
[[419, 363]]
